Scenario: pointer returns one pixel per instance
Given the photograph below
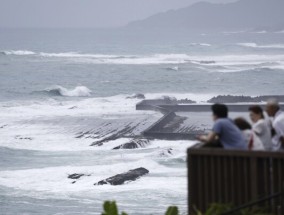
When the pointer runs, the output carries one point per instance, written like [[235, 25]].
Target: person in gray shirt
[[224, 130]]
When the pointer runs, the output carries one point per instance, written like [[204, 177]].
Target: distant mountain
[[244, 14]]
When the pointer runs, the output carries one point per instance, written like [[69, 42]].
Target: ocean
[[61, 90]]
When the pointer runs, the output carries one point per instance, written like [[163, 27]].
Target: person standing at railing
[[261, 126], [273, 110], [252, 140], [224, 130]]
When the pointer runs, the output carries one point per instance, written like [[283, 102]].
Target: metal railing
[[233, 177]]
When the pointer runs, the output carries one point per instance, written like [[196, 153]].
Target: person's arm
[[209, 138], [258, 128], [279, 134]]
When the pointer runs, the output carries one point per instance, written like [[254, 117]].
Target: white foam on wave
[[175, 68], [155, 59], [260, 32], [19, 52], [201, 44], [234, 32], [112, 59], [79, 91], [199, 98], [54, 179], [139, 60], [254, 45], [243, 60], [52, 125], [77, 55], [100, 106]]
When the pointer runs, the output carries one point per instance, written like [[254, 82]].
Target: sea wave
[[18, 52], [159, 59], [200, 44], [79, 55], [254, 45], [79, 91]]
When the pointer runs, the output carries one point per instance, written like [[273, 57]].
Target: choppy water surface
[[58, 84]]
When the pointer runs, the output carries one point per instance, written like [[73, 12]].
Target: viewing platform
[[241, 178]]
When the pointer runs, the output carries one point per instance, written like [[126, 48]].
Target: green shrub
[[110, 208], [172, 210]]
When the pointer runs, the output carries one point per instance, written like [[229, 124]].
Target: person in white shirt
[[260, 126], [273, 110]]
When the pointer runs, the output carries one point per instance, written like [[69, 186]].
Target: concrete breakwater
[[176, 123], [172, 120]]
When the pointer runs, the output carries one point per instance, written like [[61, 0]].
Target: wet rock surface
[[186, 101], [18, 137], [134, 144], [235, 99], [120, 179], [75, 176], [137, 96]]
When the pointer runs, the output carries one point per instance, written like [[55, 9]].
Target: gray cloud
[[83, 13]]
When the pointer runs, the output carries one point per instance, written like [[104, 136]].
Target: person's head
[[219, 111], [242, 124], [255, 113], [272, 106]]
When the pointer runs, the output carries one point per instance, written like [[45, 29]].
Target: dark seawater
[[57, 84]]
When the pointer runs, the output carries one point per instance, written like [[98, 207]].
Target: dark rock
[[119, 179], [3, 126], [115, 134], [235, 99], [136, 96], [186, 101], [170, 151], [23, 138], [134, 144], [232, 99], [75, 176], [166, 153]]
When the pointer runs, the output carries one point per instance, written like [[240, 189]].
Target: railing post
[[253, 178]]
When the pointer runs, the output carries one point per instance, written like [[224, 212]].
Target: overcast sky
[[83, 13]]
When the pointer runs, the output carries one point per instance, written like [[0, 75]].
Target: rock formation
[[120, 179]]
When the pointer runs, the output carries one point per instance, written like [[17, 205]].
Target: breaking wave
[[79, 91], [172, 60], [18, 52], [254, 45]]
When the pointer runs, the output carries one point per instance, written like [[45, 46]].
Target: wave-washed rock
[[3, 126], [136, 96], [235, 99], [76, 176], [186, 101], [120, 179], [134, 144], [19, 137]]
